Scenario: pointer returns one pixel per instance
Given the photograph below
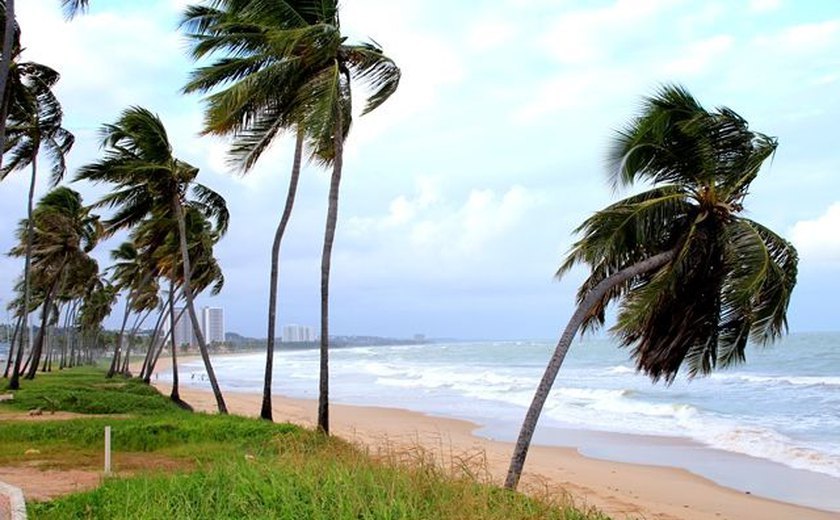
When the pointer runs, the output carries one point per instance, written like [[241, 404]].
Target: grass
[[234, 467]]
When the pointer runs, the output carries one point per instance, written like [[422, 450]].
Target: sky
[[460, 195]]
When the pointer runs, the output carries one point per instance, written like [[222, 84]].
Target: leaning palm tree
[[295, 68], [694, 279], [152, 183], [34, 125]]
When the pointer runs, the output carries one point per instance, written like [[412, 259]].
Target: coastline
[[620, 489]]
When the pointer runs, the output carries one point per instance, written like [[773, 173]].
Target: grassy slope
[[232, 467]]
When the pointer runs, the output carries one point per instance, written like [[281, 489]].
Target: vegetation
[[151, 196], [233, 467], [286, 66], [694, 279]]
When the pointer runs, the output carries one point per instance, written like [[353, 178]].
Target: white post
[[107, 450]]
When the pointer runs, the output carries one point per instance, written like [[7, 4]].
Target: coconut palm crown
[[730, 278]]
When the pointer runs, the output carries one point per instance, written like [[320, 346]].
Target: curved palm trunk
[[202, 345], [12, 348], [150, 352], [517, 461], [14, 383], [138, 322], [38, 348], [326, 257], [5, 63], [174, 394], [265, 413], [115, 361]]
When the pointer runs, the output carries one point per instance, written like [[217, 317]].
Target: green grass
[[234, 467]]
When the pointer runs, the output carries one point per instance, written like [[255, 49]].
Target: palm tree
[[34, 124], [260, 87], [295, 68], [694, 278], [152, 183]]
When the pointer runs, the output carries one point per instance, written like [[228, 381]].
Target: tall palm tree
[[694, 278], [256, 90], [152, 183], [291, 66], [34, 124]]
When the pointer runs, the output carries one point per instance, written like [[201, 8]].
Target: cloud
[[818, 240], [763, 6], [803, 39]]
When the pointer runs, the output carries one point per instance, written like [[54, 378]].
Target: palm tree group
[[285, 66], [155, 194], [693, 278]]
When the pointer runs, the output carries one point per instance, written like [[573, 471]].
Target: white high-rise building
[[183, 328], [211, 321], [298, 333], [213, 324]]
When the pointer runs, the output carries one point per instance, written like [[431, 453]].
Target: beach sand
[[619, 489]]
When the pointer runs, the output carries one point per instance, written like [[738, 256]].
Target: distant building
[[298, 333], [184, 334], [213, 324], [211, 321]]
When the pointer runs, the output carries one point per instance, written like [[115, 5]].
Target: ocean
[[760, 426]]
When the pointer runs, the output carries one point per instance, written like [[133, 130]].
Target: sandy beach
[[619, 489]]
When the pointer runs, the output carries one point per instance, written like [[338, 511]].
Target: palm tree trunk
[[265, 413], [14, 383], [202, 345], [138, 321], [5, 64], [115, 361], [38, 348], [594, 296], [326, 258], [12, 348], [175, 394], [150, 352]]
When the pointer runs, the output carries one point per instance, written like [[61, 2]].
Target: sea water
[[780, 410]]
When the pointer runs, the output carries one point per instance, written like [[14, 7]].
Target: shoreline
[[620, 489]]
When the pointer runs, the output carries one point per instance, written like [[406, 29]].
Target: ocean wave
[[783, 379], [769, 444]]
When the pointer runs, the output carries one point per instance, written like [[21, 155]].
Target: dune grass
[[235, 467]]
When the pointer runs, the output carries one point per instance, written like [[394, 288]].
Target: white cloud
[[763, 6], [818, 240], [579, 37], [490, 34], [803, 39], [696, 57]]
